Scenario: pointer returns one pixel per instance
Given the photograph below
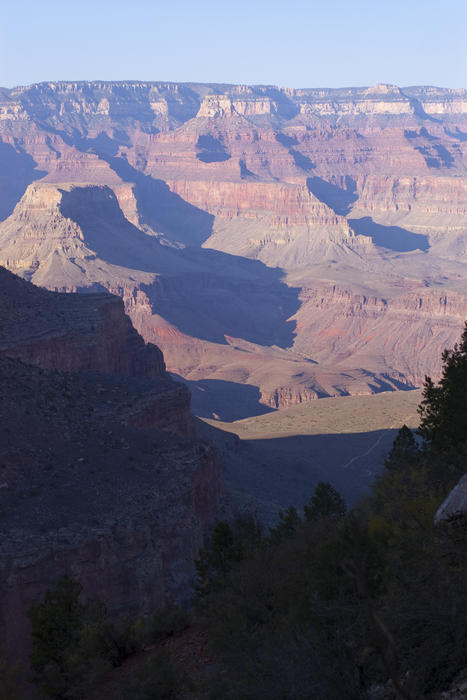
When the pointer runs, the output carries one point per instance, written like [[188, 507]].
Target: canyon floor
[[281, 456]]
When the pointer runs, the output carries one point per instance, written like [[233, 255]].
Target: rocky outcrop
[[435, 207], [453, 510], [447, 195], [90, 333], [287, 205], [280, 224], [72, 333], [223, 106]]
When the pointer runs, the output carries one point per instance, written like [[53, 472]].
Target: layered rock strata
[[215, 211]]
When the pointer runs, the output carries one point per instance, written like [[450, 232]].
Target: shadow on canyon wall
[[300, 160], [413, 134], [14, 160], [418, 109], [227, 295], [159, 207], [107, 231], [223, 400], [457, 134], [392, 237], [339, 199], [436, 156], [286, 470], [211, 150], [205, 293]]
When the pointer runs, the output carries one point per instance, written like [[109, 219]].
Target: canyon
[[254, 247], [279, 245]]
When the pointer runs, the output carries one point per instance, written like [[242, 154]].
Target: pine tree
[[443, 410], [56, 626], [326, 502], [289, 521], [404, 450]]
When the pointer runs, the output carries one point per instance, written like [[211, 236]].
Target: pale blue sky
[[297, 43]]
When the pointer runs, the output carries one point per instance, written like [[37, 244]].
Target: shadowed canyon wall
[[100, 475]]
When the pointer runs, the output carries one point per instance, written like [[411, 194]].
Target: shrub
[[326, 502], [75, 642], [157, 680], [10, 684]]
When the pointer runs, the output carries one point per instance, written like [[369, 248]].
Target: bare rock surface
[[454, 507]]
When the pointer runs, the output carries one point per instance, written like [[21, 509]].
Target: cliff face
[[280, 224], [99, 478], [122, 510], [214, 211], [181, 102], [90, 333], [401, 335]]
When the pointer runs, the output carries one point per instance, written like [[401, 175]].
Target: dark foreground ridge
[[94, 480]]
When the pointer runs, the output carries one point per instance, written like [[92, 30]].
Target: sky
[[295, 43]]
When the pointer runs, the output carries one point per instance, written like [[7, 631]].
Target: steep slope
[[94, 482]]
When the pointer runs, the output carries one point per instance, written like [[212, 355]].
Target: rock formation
[[100, 477], [316, 235], [454, 507]]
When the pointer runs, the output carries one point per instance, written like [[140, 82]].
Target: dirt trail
[[377, 441]]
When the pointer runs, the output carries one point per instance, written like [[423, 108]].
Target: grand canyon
[[278, 245], [266, 250]]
